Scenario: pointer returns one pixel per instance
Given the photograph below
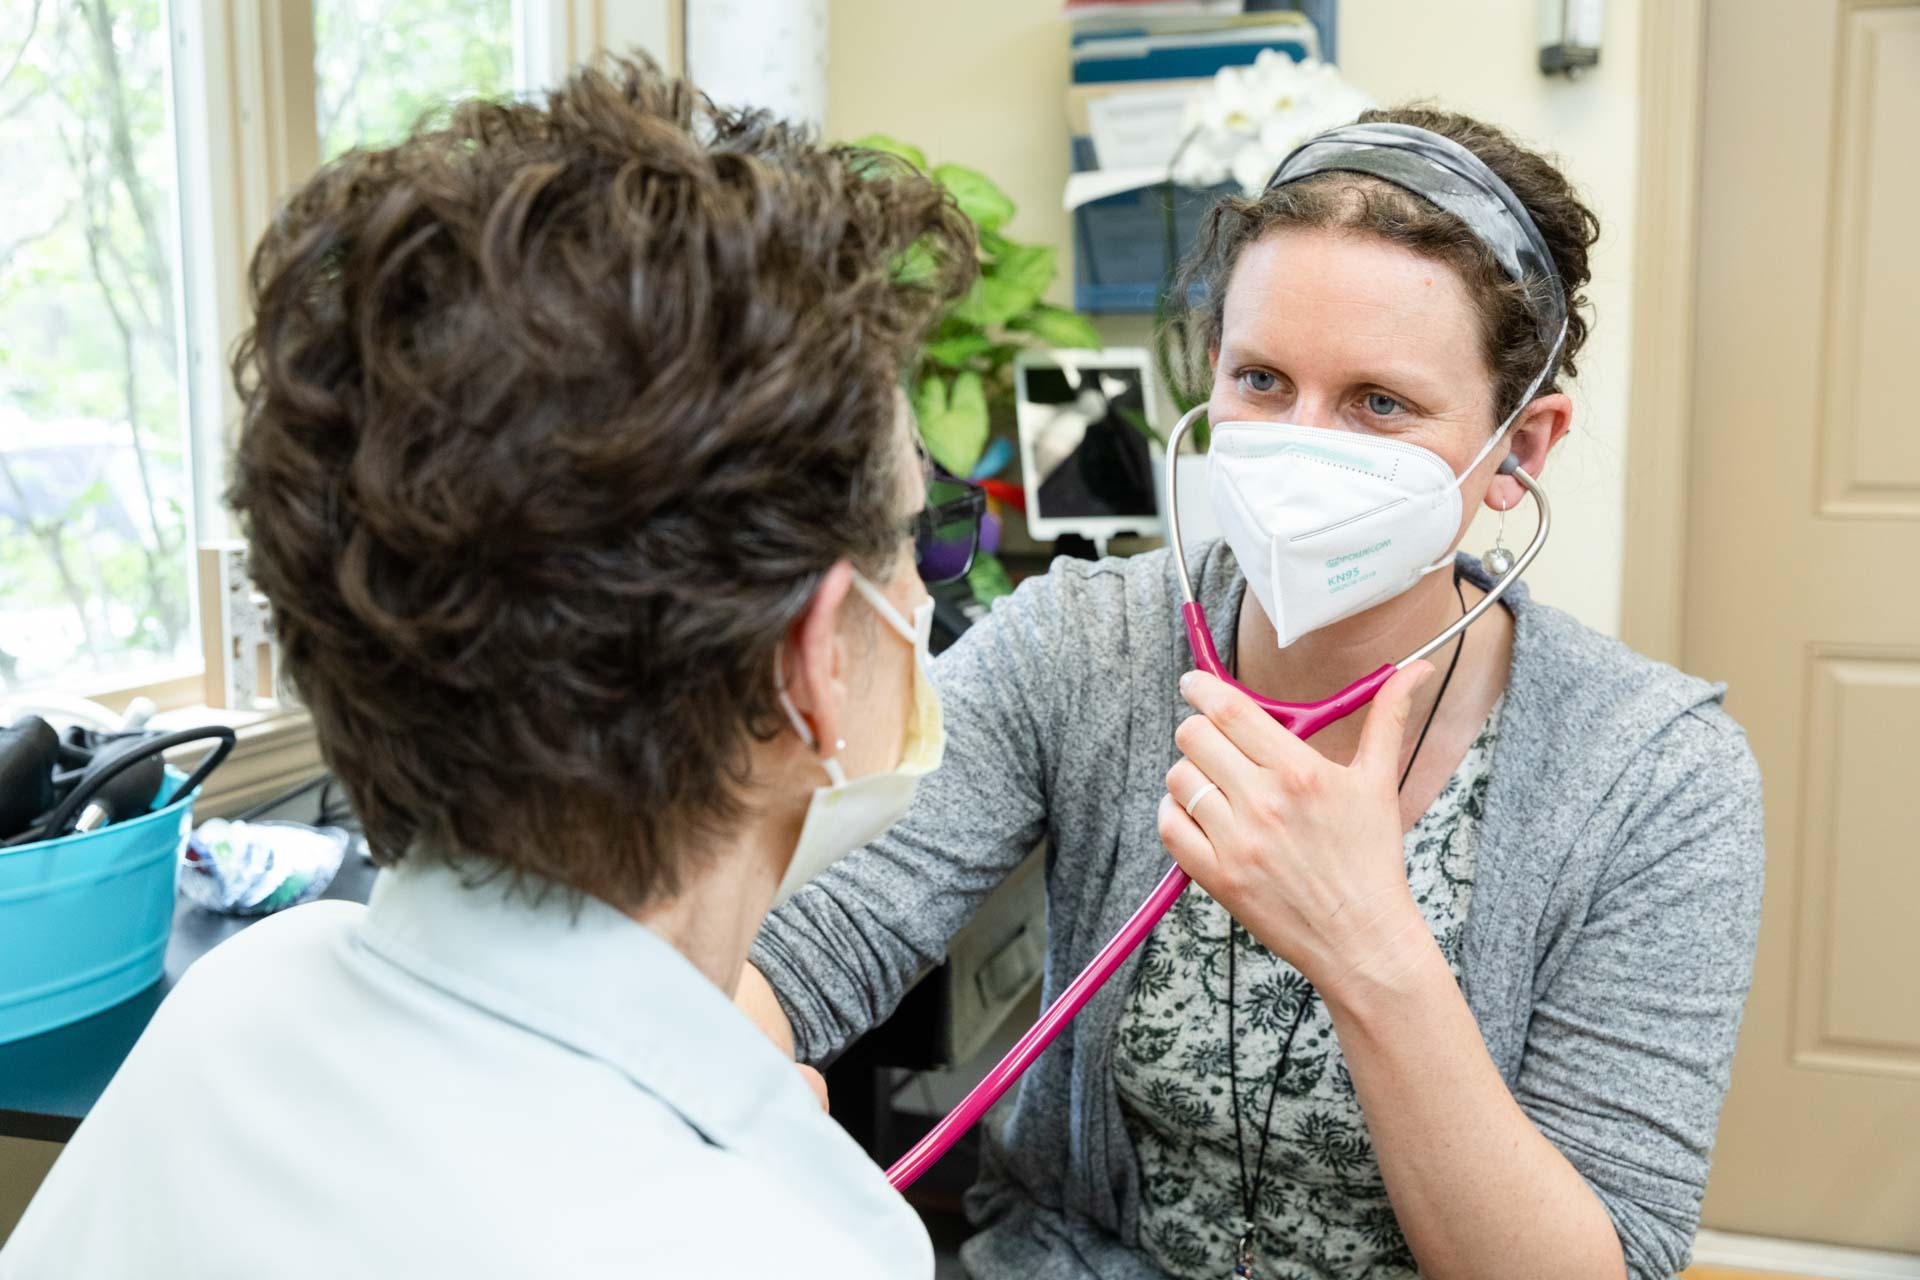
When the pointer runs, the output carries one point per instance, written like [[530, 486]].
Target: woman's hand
[[1305, 853]]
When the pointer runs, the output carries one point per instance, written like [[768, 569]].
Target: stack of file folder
[[1134, 65]]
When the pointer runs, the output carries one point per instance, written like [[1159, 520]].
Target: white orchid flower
[[1246, 120], [1253, 164]]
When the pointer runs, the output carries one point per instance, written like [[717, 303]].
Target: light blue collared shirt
[[451, 1082]]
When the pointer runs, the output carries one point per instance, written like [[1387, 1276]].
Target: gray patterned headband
[[1450, 177]]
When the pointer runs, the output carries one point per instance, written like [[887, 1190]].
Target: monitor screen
[[1085, 428]]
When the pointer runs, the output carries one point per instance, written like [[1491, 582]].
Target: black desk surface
[[49, 1082]]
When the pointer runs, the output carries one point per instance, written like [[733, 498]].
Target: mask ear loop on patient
[[878, 602], [835, 773]]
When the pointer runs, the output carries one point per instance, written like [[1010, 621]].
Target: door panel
[[1803, 592]]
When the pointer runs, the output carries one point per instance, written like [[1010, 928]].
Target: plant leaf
[[1057, 327], [988, 578], [953, 419], [955, 352], [986, 204], [1002, 355], [1014, 282], [929, 399], [994, 244], [970, 309], [952, 327], [894, 147]]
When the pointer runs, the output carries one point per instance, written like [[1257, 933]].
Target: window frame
[[242, 99], [241, 82], [241, 92]]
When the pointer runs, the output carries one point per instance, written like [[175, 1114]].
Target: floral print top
[[1323, 1211]]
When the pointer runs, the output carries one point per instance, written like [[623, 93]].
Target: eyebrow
[[1418, 384]]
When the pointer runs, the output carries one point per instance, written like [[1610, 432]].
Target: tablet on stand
[[1089, 459]]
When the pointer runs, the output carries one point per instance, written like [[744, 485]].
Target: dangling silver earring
[[1498, 559]]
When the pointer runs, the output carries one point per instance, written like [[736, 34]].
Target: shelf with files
[[1124, 240]]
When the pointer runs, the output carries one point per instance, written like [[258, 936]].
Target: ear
[[815, 661], [1534, 434]]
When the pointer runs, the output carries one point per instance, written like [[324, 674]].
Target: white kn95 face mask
[[1328, 523]]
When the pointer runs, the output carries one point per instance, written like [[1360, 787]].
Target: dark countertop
[[49, 1082]]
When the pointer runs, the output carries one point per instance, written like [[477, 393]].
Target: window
[[379, 65], [114, 409], [94, 482]]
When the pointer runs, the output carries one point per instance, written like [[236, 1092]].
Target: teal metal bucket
[[84, 920]]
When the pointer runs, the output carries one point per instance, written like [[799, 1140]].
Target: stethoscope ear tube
[[1179, 550], [1509, 466]]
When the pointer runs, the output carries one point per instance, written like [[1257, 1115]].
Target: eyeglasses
[[946, 535]]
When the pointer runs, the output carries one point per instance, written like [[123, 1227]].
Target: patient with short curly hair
[[575, 467]]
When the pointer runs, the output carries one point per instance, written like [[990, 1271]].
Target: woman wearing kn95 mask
[[1456, 987], [576, 469]]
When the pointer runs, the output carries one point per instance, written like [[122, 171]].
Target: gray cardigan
[[1608, 947]]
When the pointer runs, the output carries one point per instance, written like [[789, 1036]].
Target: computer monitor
[[1086, 452]]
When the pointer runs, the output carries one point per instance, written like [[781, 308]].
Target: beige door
[[1802, 591]]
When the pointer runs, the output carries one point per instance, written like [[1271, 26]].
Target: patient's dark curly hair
[[555, 413], [1510, 331]]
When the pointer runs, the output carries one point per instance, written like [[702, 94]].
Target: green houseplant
[[964, 378]]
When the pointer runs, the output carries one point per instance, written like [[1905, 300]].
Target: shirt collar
[[575, 970]]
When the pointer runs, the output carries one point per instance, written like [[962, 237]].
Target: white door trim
[[1672, 48], [1802, 1258]]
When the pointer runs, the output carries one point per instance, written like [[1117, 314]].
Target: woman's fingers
[[1287, 840], [1202, 741], [1186, 842], [1384, 733], [1258, 736], [1201, 799]]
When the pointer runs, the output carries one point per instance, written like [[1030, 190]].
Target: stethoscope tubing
[[1304, 719]]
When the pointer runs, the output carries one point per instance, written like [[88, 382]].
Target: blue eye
[[1383, 405], [1259, 380]]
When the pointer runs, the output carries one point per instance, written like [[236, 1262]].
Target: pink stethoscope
[[1304, 719]]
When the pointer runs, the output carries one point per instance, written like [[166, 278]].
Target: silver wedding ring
[[1200, 795]]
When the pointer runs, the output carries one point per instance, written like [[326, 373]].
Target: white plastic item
[[61, 710]]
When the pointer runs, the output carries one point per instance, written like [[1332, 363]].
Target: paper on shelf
[[1139, 128], [1098, 184]]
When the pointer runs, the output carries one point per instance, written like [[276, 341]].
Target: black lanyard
[[1250, 1188]]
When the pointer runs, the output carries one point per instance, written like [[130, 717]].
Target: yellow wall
[[984, 83], [981, 84]]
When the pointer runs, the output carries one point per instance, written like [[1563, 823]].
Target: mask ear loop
[[1526, 398], [888, 614], [835, 773], [884, 607]]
